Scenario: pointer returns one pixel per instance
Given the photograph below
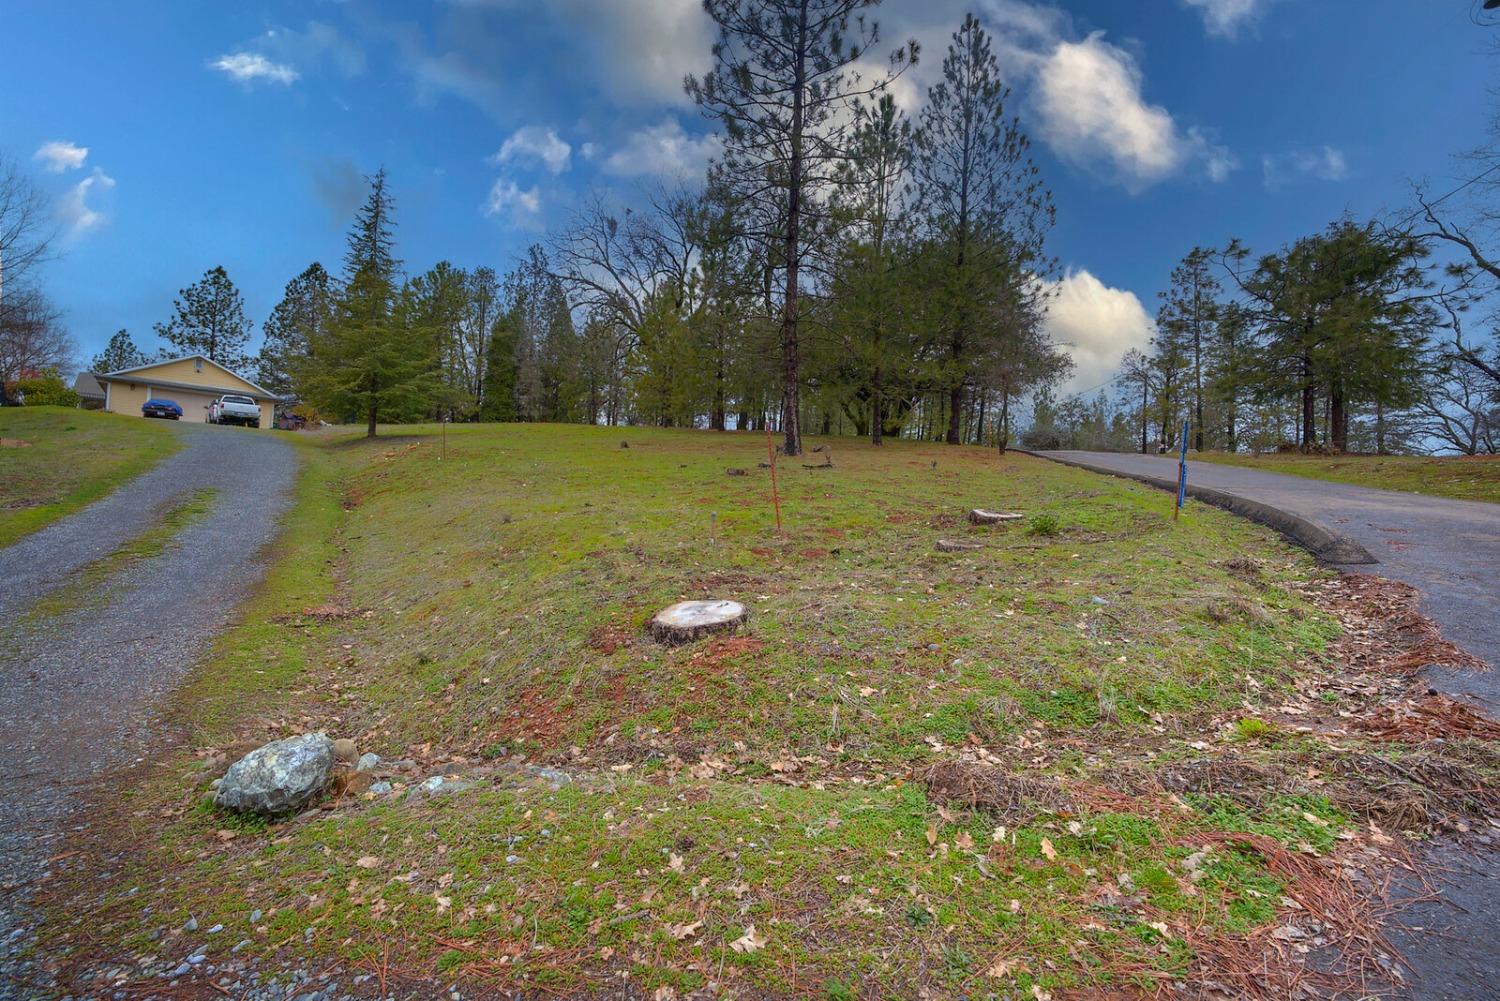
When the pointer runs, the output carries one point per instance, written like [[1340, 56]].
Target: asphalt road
[[78, 690], [1450, 551]]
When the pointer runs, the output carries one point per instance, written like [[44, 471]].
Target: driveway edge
[[1320, 540]]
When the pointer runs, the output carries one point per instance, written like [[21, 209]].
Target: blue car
[[161, 408]]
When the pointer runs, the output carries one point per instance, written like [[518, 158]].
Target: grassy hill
[[1460, 477], [983, 773]]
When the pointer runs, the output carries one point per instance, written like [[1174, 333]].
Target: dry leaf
[[674, 862], [367, 862], [751, 941], [931, 835], [680, 932], [964, 840], [1001, 967], [1047, 848]]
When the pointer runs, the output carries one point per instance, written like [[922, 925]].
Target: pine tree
[[119, 353], [499, 403], [299, 319], [374, 359], [209, 319], [780, 89], [1190, 309], [983, 210]]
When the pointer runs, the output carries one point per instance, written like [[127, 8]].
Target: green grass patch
[[67, 459], [1460, 477]]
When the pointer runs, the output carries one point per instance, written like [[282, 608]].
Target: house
[[192, 382], [90, 393]]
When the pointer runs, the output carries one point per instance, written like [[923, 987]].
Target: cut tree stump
[[687, 621], [735, 471], [980, 516], [957, 545]]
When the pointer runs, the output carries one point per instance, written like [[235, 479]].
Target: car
[[232, 408], [158, 407]]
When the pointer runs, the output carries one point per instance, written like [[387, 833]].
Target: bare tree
[[32, 339], [782, 89], [27, 320]]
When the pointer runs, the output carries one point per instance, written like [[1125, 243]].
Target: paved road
[[1450, 551], [77, 691]]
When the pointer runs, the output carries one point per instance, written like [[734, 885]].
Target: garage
[[192, 382]]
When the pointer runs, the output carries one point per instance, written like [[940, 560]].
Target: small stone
[[255, 916], [380, 788], [367, 762], [191, 924], [344, 749], [432, 785], [215, 929]]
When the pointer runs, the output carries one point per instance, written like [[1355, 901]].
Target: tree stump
[[979, 516], [735, 471], [957, 545], [687, 621]]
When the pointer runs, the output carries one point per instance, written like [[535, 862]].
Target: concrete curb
[[1320, 540]]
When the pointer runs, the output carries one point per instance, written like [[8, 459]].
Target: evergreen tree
[[299, 319], [1189, 312], [119, 353], [780, 89], [374, 359], [982, 209], [500, 375], [209, 319]]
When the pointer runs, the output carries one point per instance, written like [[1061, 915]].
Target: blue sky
[[236, 134]]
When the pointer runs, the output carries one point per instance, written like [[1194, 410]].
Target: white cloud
[[536, 144], [1096, 325], [505, 194], [74, 208], [59, 156], [248, 67], [1324, 163], [1089, 96], [1225, 18], [663, 150]]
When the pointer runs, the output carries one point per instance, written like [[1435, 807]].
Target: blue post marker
[[1181, 473]]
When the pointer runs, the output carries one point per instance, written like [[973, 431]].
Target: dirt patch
[[607, 639], [813, 553], [14, 443]]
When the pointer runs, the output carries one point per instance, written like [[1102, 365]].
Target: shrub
[[1043, 523], [46, 390]]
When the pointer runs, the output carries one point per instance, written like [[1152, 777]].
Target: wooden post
[[775, 497], [1181, 472]]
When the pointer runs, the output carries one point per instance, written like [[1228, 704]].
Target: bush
[[1044, 523], [47, 390]]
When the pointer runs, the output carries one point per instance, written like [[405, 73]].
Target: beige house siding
[[127, 390]]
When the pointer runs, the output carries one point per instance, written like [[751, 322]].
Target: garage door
[[194, 405]]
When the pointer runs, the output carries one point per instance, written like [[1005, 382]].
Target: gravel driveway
[[1450, 551], [80, 689]]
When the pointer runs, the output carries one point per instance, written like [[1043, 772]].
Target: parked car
[[234, 409], [158, 407]]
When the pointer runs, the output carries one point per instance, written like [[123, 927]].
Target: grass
[[748, 812], [1459, 477], [69, 459]]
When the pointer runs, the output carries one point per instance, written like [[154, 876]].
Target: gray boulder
[[280, 777]]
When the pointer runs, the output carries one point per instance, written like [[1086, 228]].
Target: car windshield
[[239, 399]]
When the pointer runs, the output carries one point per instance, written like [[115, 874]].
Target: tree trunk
[[1309, 408], [955, 410], [877, 413], [791, 360], [1002, 432], [1380, 429], [370, 427], [1338, 419], [1145, 407]]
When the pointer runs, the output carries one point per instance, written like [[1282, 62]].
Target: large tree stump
[[687, 621], [979, 516], [958, 545]]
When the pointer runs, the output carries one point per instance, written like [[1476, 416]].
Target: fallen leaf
[[751, 941], [1047, 848], [367, 862], [680, 932], [964, 840], [931, 835]]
